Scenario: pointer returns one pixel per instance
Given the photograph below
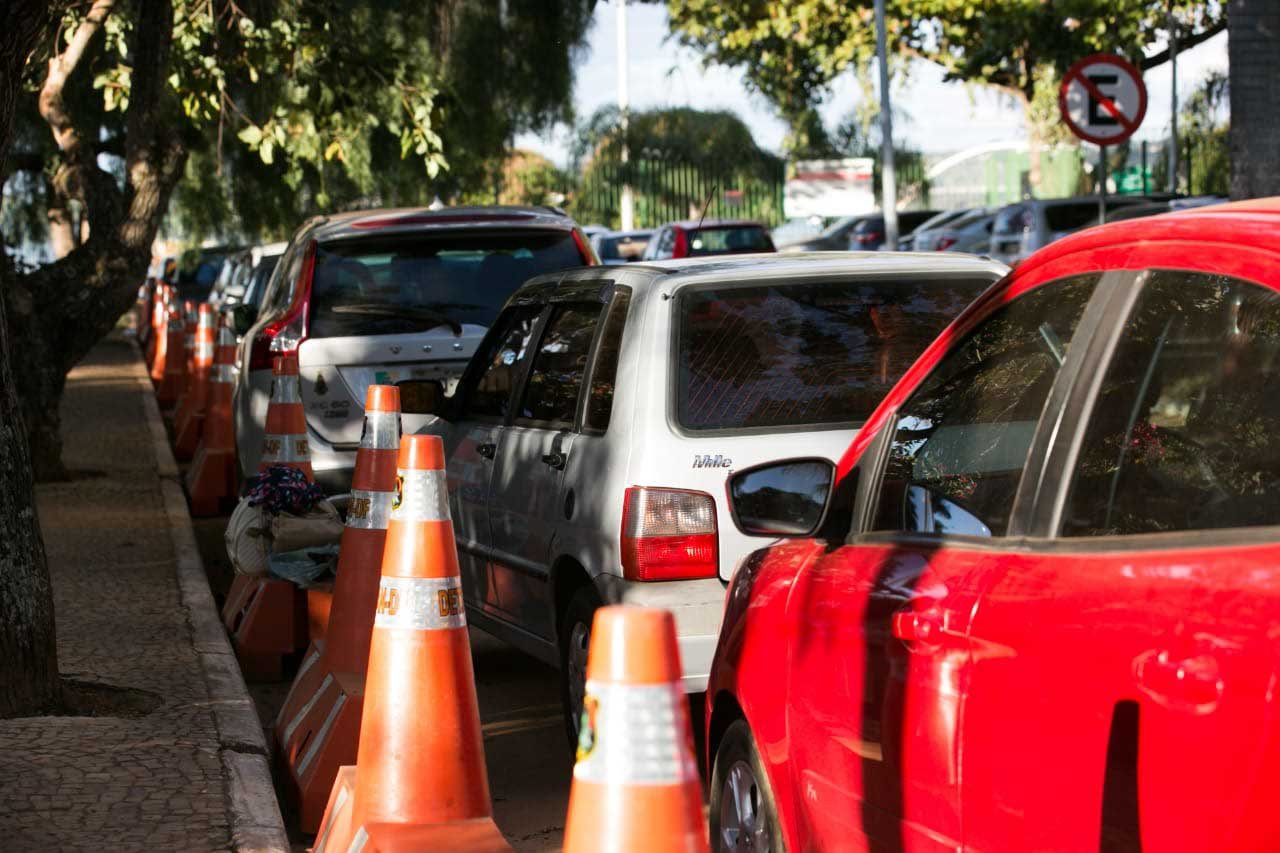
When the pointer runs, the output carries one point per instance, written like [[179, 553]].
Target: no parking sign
[[1103, 99]]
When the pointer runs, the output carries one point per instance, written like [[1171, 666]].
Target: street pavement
[[145, 773]]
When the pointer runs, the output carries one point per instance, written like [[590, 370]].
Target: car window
[[1183, 433], [488, 391], [1012, 220], [665, 244], [279, 292], [1078, 214], [962, 438], [603, 376], [728, 240], [804, 354], [412, 283], [621, 247], [555, 378]]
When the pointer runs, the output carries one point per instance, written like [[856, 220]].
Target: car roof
[[336, 226], [1236, 223], [695, 224], [770, 266]]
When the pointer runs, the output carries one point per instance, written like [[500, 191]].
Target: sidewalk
[[175, 760]]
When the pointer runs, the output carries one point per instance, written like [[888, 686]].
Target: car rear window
[[1076, 215], [728, 240], [416, 282], [804, 354], [623, 247]]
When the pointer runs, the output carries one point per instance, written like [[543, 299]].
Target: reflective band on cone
[[420, 604], [654, 753], [277, 449], [369, 510]]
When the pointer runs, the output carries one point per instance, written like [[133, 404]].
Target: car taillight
[[287, 332], [681, 248], [945, 243], [584, 249], [669, 534], [870, 238]]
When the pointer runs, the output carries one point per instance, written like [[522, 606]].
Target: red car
[[1036, 606], [696, 239]]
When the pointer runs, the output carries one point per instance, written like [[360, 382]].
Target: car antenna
[[706, 205]]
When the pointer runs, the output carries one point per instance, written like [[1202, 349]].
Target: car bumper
[[698, 607]]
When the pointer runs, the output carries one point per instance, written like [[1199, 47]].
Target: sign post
[[1103, 100]]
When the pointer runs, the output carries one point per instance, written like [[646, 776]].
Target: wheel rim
[[744, 825], [579, 644]]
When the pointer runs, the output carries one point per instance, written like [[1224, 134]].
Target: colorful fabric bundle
[[280, 489]]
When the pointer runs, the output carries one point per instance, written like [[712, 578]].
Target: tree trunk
[[28, 653], [60, 310], [1253, 44]]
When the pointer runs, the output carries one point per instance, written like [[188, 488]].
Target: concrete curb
[[256, 824]]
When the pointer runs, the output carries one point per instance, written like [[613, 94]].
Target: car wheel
[[575, 643], [742, 810]]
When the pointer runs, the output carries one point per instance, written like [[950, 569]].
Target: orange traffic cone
[[191, 408], [285, 441], [212, 478], [160, 331], [170, 362], [318, 726], [420, 779], [189, 320], [635, 786]]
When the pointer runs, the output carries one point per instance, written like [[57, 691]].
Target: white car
[[589, 442], [380, 296]]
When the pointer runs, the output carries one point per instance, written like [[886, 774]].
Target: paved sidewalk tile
[[153, 782]]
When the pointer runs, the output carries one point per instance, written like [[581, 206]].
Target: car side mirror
[[782, 499], [422, 396], [243, 318]]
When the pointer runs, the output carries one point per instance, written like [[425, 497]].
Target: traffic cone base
[[322, 738], [269, 623], [211, 481]]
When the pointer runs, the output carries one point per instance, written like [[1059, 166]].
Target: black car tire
[[738, 750], [574, 644]]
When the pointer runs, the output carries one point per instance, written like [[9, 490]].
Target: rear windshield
[[416, 282], [787, 355], [622, 247], [1077, 215], [258, 280], [728, 240]]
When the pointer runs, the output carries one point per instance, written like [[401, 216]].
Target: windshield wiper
[[373, 310]]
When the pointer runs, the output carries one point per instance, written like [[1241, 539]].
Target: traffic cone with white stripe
[[169, 362], [420, 780], [285, 441], [635, 785], [211, 482], [317, 730], [159, 330], [192, 405]]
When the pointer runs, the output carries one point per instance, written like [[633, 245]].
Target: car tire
[[575, 642], [741, 804]]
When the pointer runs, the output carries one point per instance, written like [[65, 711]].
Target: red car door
[[1123, 677], [880, 666]]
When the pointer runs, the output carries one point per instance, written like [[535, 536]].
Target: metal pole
[[624, 107], [889, 187], [1146, 190], [1102, 187], [1173, 109]]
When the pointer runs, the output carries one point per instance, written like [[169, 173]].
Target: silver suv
[[590, 439], [380, 296]]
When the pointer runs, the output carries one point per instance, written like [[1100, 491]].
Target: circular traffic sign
[[1103, 99]]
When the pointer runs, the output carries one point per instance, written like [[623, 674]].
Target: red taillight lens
[[681, 248], [945, 243], [669, 534], [287, 332], [584, 249], [870, 238]]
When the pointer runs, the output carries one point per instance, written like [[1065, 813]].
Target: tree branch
[[52, 108], [1184, 43]]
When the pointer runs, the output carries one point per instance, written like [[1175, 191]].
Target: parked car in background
[[868, 236], [378, 296], [1155, 208], [1034, 605], [620, 247], [969, 233], [198, 270], [693, 239], [1025, 226], [797, 230], [589, 441], [836, 237], [239, 271], [925, 229]]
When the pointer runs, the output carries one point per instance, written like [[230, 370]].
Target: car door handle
[[912, 626], [1186, 683], [488, 451], [555, 459]]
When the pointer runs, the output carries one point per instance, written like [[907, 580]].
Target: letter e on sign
[[1103, 99]]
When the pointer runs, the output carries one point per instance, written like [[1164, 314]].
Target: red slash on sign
[[1103, 99]]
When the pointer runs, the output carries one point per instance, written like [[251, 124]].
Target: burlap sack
[[253, 534]]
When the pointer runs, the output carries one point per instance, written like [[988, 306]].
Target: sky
[[941, 118]]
